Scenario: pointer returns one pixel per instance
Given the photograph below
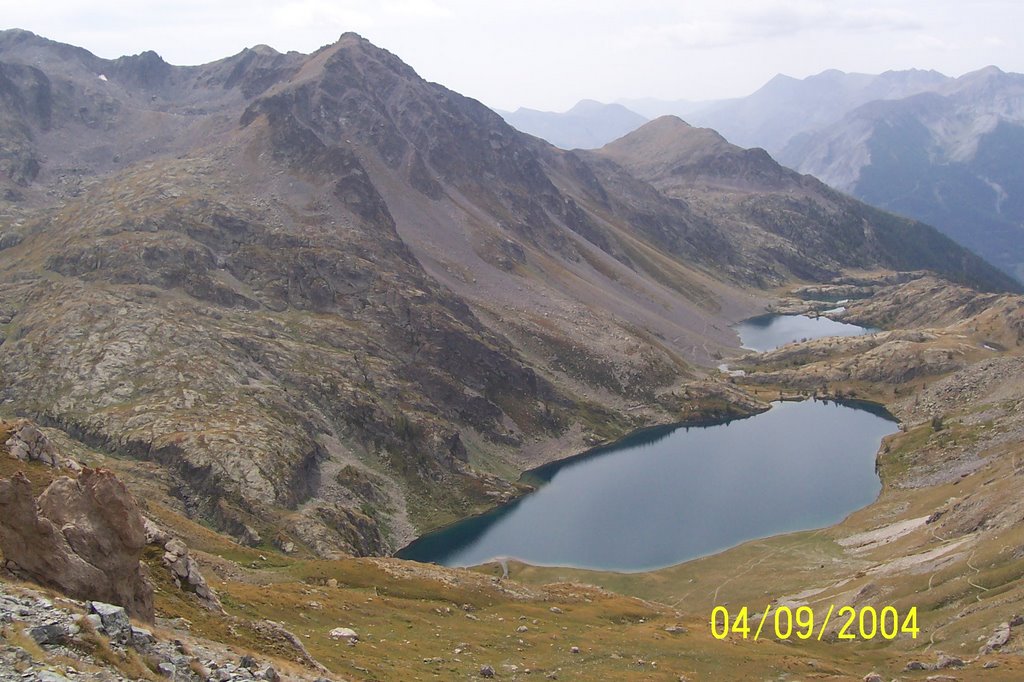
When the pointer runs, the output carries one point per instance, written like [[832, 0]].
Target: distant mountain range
[[951, 156], [942, 150], [785, 107], [588, 125]]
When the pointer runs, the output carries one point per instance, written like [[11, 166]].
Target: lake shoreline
[[801, 517]]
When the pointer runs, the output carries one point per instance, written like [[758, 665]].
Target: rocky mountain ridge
[[334, 305]]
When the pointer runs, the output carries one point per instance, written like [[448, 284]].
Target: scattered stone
[[574, 650], [522, 628], [344, 633], [676, 630], [945, 662], [990, 664], [167, 669], [917, 665], [271, 674], [486, 671], [332, 583], [1016, 621], [873, 677], [998, 639], [941, 678], [248, 662], [555, 609]]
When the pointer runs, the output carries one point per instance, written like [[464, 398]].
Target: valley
[[310, 307]]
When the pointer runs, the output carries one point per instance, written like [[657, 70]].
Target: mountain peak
[[263, 50], [666, 136], [669, 145]]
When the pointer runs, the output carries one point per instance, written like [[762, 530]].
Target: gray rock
[[873, 677], [917, 665], [347, 634], [114, 621], [990, 664], [155, 535], [998, 639], [185, 572], [141, 637], [167, 669], [48, 676], [52, 633], [29, 444], [250, 537], [946, 661], [9, 240], [486, 671], [271, 675], [248, 662]]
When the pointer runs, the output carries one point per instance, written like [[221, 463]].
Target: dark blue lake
[[767, 332], [668, 495]]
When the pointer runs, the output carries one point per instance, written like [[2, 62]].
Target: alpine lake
[[665, 495]]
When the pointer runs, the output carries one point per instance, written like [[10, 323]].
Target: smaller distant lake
[[768, 332]]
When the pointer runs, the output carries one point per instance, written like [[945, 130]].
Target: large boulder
[[83, 536]]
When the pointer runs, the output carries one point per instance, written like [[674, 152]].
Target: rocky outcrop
[[83, 536], [182, 566], [187, 576], [29, 444]]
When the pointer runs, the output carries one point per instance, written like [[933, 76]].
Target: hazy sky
[[548, 54]]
